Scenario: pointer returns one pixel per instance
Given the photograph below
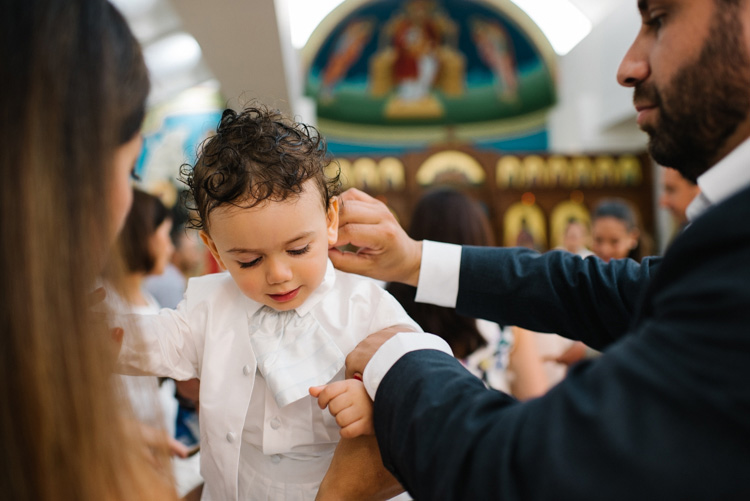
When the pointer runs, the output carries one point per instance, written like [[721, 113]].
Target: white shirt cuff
[[395, 348], [438, 274]]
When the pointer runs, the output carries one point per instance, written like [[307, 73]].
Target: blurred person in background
[[146, 248], [504, 357], [614, 231], [576, 238], [615, 235], [676, 194]]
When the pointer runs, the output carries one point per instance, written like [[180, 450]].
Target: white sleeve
[[390, 313], [438, 274], [395, 348], [159, 345]]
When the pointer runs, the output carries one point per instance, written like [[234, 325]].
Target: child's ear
[[332, 217], [212, 247]]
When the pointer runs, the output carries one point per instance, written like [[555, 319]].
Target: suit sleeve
[[661, 415], [584, 299]]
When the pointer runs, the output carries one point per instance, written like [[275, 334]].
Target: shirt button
[[246, 370], [275, 459], [275, 423], [230, 437]]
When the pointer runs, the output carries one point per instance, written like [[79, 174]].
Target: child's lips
[[287, 296]]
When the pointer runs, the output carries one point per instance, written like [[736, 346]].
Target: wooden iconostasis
[[527, 196]]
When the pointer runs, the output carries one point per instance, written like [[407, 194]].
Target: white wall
[[594, 112]]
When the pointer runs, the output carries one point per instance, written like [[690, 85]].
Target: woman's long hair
[[446, 215], [74, 88]]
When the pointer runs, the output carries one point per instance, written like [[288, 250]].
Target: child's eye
[[299, 252], [249, 264]]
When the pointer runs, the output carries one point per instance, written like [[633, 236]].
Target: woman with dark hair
[[74, 94], [504, 358]]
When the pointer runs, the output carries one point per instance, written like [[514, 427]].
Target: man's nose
[[634, 67]]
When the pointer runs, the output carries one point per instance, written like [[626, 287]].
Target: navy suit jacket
[[664, 414]]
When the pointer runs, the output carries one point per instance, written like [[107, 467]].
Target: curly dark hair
[[256, 155]]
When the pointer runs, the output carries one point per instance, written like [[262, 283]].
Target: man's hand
[[358, 359], [385, 250], [571, 356], [349, 403]]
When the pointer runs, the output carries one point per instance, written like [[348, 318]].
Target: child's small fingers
[[338, 404], [347, 416], [355, 429], [323, 395]]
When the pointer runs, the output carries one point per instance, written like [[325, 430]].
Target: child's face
[[276, 252], [160, 247], [611, 238]]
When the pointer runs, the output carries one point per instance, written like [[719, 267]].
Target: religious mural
[[172, 133], [429, 63]]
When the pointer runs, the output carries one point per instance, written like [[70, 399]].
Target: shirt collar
[[723, 180], [329, 279]]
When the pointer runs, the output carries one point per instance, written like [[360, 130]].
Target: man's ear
[[332, 217], [212, 247]]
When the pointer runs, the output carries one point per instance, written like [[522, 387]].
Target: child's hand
[[349, 403]]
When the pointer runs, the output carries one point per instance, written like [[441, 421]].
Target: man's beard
[[704, 103]]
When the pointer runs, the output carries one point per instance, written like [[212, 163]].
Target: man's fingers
[[358, 358], [355, 194], [350, 262], [360, 234]]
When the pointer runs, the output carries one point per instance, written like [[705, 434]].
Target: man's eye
[[249, 264], [133, 175], [656, 21]]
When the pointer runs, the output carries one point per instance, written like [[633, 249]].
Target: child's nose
[[277, 271]]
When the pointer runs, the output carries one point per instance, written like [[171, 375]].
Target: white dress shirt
[[729, 176], [250, 447], [441, 263]]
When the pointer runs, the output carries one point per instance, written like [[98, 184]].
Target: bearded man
[[665, 412]]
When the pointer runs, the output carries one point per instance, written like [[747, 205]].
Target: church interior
[[514, 103]]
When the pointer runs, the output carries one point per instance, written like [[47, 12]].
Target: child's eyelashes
[[299, 252], [291, 252], [249, 264]]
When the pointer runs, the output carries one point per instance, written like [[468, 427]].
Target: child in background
[[146, 249], [615, 235], [280, 321], [614, 231]]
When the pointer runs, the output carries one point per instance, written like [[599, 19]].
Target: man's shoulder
[[725, 223]]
